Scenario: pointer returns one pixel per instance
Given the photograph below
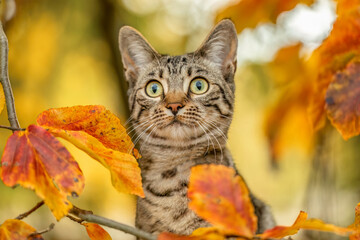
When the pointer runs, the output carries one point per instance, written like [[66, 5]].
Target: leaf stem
[[24, 215], [89, 217], [4, 79]]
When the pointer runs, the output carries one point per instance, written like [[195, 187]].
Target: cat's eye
[[199, 86], [154, 89]]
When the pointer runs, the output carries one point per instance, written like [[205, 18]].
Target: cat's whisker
[[221, 152], [209, 138], [138, 137], [128, 121], [155, 127], [140, 125], [217, 129]]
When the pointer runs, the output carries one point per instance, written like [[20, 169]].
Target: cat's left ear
[[220, 47], [136, 52]]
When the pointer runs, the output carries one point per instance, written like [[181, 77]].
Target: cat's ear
[[136, 52], [220, 47]]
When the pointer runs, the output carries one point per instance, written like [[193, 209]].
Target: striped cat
[[181, 108]]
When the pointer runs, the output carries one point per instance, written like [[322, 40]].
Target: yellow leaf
[[13, 229]]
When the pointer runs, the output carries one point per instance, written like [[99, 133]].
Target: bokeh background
[[65, 53]]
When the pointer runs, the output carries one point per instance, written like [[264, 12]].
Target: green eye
[[199, 86], [154, 89]]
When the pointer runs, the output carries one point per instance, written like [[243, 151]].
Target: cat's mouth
[[175, 122]]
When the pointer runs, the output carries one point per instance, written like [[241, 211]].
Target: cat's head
[[181, 97]]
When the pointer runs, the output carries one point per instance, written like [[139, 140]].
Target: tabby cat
[[181, 108]]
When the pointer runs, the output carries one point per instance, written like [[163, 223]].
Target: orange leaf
[[13, 229], [343, 101], [35, 159], [249, 13], [228, 207], [94, 130], [96, 232], [289, 112], [333, 55], [94, 120], [302, 223], [199, 234], [2, 99]]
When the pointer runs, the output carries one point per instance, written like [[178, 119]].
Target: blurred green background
[[65, 53]]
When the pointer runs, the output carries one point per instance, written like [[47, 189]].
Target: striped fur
[[171, 144]]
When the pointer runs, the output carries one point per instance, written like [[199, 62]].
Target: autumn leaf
[[13, 229], [95, 120], [2, 99], [302, 223], [96, 232], [98, 132], [228, 208], [333, 55], [343, 100], [35, 159], [249, 13], [288, 113]]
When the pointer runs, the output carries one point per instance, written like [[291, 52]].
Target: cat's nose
[[174, 107]]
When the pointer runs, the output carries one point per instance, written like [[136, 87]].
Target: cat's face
[[181, 98]]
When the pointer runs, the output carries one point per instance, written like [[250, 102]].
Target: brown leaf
[[96, 232], [249, 13], [35, 159], [228, 208], [13, 229], [333, 55], [98, 132], [343, 100]]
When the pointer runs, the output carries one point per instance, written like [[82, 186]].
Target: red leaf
[[35, 159]]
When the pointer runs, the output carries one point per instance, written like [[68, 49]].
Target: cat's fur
[[171, 144]]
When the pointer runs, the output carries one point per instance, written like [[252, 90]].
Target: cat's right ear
[[136, 52]]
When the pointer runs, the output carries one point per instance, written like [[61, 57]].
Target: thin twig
[[113, 224], [24, 215], [48, 229], [12, 128], [4, 79]]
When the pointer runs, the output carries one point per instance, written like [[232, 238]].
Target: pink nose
[[174, 107]]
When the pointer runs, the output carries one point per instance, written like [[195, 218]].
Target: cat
[[181, 108]]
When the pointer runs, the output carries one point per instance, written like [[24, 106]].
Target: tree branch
[[89, 217], [25, 214], [12, 128], [4, 79], [48, 229]]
